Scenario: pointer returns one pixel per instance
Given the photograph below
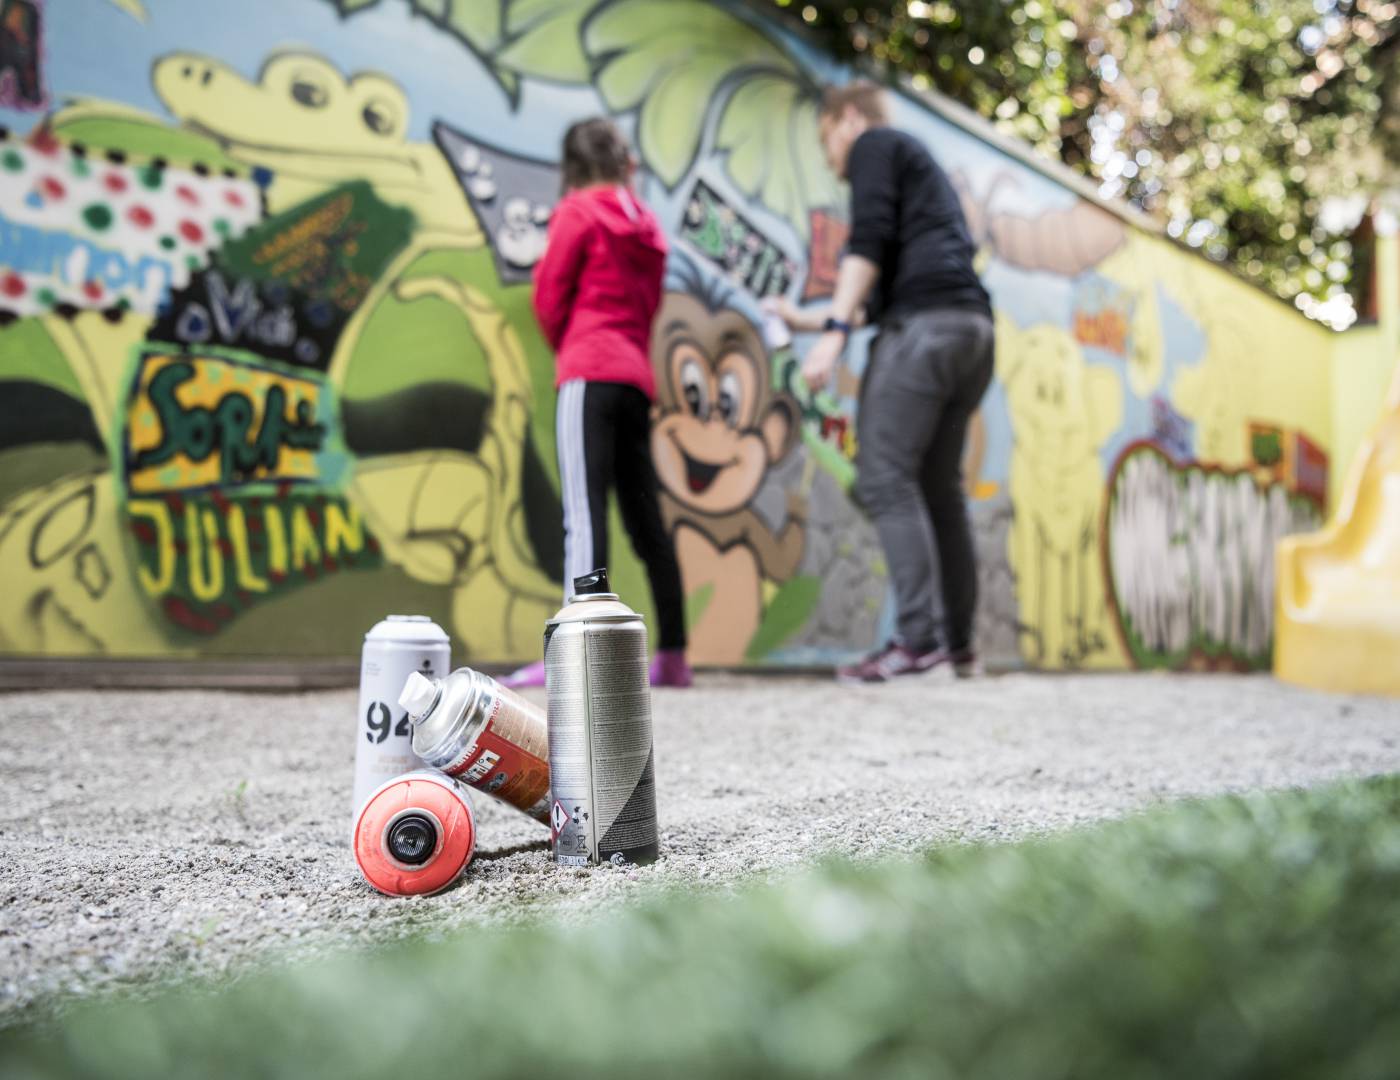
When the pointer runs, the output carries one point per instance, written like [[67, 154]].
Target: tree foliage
[[1233, 121]]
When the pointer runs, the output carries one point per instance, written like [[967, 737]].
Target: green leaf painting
[[791, 607], [683, 67], [670, 61], [769, 132], [697, 603], [545, 40]]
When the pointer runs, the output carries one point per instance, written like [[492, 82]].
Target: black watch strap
[[837, 324]]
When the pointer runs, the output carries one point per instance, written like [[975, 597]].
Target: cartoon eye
[[308, 93], [379, 116], [693, 386], [730, 398]]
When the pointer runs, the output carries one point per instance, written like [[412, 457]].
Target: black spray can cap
[[412, 839], [592, 583]]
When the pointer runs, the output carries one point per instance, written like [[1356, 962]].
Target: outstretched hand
[[820, 361], [784, 308]]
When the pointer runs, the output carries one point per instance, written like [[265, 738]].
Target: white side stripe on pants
[[573, 483]]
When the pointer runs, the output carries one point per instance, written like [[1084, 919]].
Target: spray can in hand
[[487, 736], [602, 780], [394, 648]]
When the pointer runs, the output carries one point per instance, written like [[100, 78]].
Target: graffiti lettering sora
[[196, 432], [718, 428]]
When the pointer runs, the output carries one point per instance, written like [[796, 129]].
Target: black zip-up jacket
[[907, 220]]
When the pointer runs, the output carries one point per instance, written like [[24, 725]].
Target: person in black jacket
[[909, 262]]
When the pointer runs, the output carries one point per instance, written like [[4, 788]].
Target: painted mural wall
[[268, 369]]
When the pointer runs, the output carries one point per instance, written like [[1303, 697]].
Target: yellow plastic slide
[[1337, 625]]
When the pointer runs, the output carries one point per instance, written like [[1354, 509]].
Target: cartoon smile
[[699, 475]]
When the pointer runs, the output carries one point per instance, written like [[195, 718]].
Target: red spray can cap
[[415, 834]]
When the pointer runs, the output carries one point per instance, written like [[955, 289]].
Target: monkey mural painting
[[268, 367], [719, 427]]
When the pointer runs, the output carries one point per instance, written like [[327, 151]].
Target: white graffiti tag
[[1191, 558]]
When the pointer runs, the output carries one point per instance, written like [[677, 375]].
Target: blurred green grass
[[1238, 937]]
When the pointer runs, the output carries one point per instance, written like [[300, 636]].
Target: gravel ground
[[145, 834]]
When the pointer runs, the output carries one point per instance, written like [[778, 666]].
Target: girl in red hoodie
[[597, 290]]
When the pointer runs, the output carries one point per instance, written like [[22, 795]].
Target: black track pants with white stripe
[[603, 431]]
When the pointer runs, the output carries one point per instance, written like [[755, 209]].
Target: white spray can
[[394, 649]]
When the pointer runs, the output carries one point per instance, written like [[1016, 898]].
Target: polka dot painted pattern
[[138, 228], [98, 216]]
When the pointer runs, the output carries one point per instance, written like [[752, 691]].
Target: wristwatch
[[836, 324]]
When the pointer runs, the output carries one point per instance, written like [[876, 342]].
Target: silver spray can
[[602, 778], [484, 734], [394, 649]]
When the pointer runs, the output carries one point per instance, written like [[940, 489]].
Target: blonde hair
[[866, 97]]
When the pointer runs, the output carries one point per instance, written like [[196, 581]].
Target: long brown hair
[[595, 152]]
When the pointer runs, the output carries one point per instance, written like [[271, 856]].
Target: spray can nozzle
[[592, 583], [418, 695], [412, 839]]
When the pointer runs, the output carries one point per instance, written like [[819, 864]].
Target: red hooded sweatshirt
[[599, 285]]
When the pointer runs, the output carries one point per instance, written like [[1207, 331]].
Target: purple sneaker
[[669, 668], [891, 662], [528, 676]]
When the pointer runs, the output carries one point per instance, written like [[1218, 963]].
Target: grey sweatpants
[[926, 374]]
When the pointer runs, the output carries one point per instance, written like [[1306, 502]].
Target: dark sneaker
[[891, 662], [964, 662]]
